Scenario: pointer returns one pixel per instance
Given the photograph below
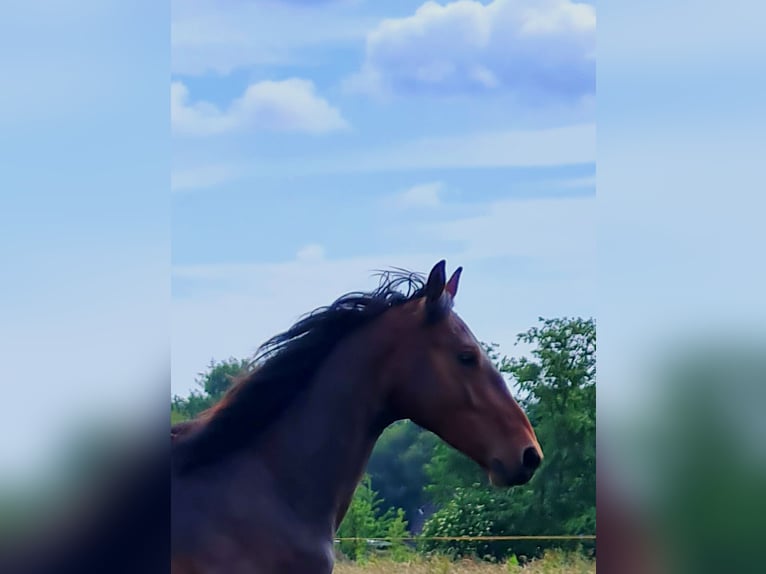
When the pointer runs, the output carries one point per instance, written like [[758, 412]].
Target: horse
[[262, 480]]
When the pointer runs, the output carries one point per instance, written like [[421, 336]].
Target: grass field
[[554, 563]]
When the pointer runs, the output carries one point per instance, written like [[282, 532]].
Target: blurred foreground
[[107, 513], [682, 481]]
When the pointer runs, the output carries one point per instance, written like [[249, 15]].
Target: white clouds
[[512, 148], [266, 298], [532, 47], [497, 300], [214, 36], [203, 177], [290, 105], [494, 149], [417, 196], [310, 252], [561, 232], [499, 149]]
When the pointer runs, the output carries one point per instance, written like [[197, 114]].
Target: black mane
[[284, 366]]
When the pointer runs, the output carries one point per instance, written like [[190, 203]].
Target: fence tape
[[469, 538]]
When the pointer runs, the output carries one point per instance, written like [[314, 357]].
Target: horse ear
[[453, 282], [436, 279]]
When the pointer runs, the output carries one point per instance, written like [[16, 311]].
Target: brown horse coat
[[262, 481]]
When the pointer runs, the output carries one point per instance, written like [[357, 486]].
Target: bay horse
[[261, 482]]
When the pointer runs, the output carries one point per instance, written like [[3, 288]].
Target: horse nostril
[[531, 458]]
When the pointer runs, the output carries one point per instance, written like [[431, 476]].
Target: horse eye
[[468, 358]]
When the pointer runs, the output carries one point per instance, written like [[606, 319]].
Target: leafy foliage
[[211, 386], [411, 467], [556, 386], [560, 397], [397, 466], [467, 513], [364, 520]]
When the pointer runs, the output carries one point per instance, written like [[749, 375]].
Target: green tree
[[559, 392], [397, 466], [364, 520], [211, 386], [396, 533], [556, 386]]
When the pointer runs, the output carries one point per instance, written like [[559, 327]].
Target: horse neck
[[319, 449]]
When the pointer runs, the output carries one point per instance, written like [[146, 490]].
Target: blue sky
[[85, 172], [314, 142]]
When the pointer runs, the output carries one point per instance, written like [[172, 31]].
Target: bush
[[364, 521]]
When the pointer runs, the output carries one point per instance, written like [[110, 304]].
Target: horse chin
[[501, 477], [499, 481]]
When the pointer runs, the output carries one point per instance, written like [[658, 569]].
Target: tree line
[[415, 484]]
